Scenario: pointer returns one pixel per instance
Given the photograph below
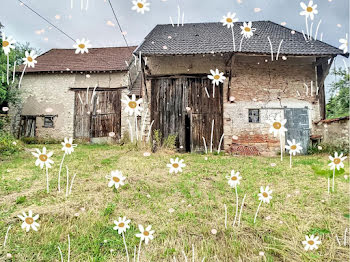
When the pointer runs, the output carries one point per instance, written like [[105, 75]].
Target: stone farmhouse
[[77, 95], [263, 81]]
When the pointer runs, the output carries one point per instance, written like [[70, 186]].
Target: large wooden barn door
[[205, 112], [170, 99], [98, 115]]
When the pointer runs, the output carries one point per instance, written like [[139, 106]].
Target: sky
[[97, 23]]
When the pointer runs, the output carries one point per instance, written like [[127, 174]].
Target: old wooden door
[[181, 106], [97, 115], [207, 112], [298, 126]]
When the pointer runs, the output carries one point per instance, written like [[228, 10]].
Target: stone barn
[[263, 81], [77, 95]]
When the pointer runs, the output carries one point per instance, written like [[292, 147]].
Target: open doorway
[[187, 133]]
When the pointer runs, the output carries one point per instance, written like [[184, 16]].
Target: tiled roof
[[98, 59], [205, 38]]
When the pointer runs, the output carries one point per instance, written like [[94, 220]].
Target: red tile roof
[[98, 59]]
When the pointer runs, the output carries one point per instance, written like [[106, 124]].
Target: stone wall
[[332, 131], [52, 94], [256, 83]]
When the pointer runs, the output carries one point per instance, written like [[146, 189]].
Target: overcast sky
[[97, 23]]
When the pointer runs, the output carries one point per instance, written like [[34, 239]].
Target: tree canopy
[[338, 104]]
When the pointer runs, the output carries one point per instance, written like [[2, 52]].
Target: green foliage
[[167, 143], [21, 200], [338, 104], [8, 144], [329, 148]]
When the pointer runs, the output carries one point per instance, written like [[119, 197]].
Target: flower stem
[[225, 216], [256, 214], [240, 44], [240, 211], [59, 173], [126, 247], [281, 146], [47, 180], [20, 80], [233, 40], [7, 71], [290, 160], [234, 221], [138, 255], [333, 180]]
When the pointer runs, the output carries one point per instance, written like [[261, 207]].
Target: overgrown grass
[[300, 206]]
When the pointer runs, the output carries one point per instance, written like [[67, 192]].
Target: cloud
[[110, 23]]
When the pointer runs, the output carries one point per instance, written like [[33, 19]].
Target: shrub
[[8, 144], [167, 143], [329, 148]]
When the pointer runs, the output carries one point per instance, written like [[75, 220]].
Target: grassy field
[[300, 206]]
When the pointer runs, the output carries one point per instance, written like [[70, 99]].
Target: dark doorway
[[188, 133]]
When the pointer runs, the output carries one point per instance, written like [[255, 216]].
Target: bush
[[8, 144], [342, 147], [167, 143]]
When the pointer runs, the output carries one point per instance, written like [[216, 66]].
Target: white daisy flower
[[337, 161], [309, 10], [82, 46], [29, 60], [293, 147], [344, 44], [121, 225], [175, 165], [132, 105], [229, 20], [234, 179], [8, 43], [116, 179], [140, 6], [311, 242], [68, 146], [216, 77], [29, 221], [265, 194], [145, 235], [43, 158], [247, 30], [277, 126]]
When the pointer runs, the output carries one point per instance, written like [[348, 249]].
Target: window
[[48, 121], [254, 115]]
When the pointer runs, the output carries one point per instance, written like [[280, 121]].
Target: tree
[[338, 104], [8, 92]]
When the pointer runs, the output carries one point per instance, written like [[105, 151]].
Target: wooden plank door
[[168, 107], [98, 115], [205, 110], [298, 126]]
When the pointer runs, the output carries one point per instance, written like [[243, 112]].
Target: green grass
[[300, 205]]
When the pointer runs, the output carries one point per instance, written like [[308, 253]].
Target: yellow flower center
[[277, 125], [68, 145], [29, 220], [146, 233], [310, 242], [234, 178], [309, 9], [140, 5], [247, 29], [132, 104], [5, 43], [30, 59], [229, 20], [43, 157], [293, 147], [265, 194], [175, 165], [216, 77], [337, 161], [116, 179], [121, 224], [81, 46]]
